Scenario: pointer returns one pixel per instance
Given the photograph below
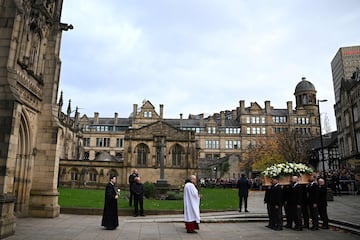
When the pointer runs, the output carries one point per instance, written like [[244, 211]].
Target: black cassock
[[110, 215]]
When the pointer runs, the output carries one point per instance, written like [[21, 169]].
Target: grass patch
[[212, 199]]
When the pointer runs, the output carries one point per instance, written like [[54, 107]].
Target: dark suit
[[322, 206], [131, 182], [286, 197], [243, 185], [275, 202], [138, 191], [312, 201], [266, 201], [295, 201]]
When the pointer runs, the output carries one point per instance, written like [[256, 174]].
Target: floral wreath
[[286, 169]]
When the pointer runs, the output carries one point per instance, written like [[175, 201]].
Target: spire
[[69, 108], [61, 99]]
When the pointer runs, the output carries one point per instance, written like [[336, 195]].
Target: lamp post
[[321, 140]]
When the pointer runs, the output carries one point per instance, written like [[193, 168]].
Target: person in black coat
[[243, 185], [275, 202], [295, 202], [132, 177], [110, 214], [312, 201], [286, 196], [322, 205], [266, 201], [138, 191]]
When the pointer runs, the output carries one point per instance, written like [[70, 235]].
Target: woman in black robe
[[110, 214]]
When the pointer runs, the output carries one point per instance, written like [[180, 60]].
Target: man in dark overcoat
[[295, 202], [110, 214], [275, 202], [322, 205], [243, 185], [138, 191], [312, 201]]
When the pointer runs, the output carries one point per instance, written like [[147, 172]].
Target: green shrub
[[171, 195], [149, 190]]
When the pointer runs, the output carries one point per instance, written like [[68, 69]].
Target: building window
[[211, 130], [119, 142], [142, 153], [263, 130], [232, 144], [102, 142], [102, 128], [255, 120], [280, 119], [263, 120], [232, 130], [147, 114], [74, 174], [92, 176], [247, 119], [212, 144], [176, 155], [86, 142], [248, 130], [86, 155]]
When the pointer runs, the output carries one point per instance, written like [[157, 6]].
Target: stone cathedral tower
[[30, 37]]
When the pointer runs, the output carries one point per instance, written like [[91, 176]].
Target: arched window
[[112, 172], [74, 173], [176, 155], [92, 175], [142, 153]]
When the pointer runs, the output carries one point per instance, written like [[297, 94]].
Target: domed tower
[[305, 95]]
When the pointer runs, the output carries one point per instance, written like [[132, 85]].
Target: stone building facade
[[30, 37], [190, 146], [347, 112]]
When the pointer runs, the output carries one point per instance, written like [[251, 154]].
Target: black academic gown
[[110, 214]]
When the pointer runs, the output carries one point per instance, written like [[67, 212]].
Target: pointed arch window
[[176, 153], [142, 154]]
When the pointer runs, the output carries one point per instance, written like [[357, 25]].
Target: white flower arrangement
[[286, 169]]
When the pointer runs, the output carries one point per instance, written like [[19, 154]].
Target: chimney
[[201, 120], [134, 110], [234, 114], [116, 118], [242, 106], [289, 106], [161, 111], [96, 118], [222, 118], [267, 106], [181, 120]]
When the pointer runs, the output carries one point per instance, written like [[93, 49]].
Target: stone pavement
[[213, 226]]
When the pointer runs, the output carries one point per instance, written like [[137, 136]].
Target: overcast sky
[[201, 56]]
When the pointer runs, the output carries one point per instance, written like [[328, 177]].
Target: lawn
[[212, 199]]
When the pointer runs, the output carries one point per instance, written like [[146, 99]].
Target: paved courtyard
[[87, 227]]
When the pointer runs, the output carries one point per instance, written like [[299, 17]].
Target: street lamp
[[321, 139]]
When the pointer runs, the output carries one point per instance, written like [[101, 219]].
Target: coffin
[[285, 180]]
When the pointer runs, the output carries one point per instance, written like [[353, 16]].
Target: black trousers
[[314, 214], [138, 201], [323, 215], [288, 215], [276, 216], [241, 198], [296, 215], [305, 214]]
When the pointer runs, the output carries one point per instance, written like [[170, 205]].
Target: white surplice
[[191, 203]]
